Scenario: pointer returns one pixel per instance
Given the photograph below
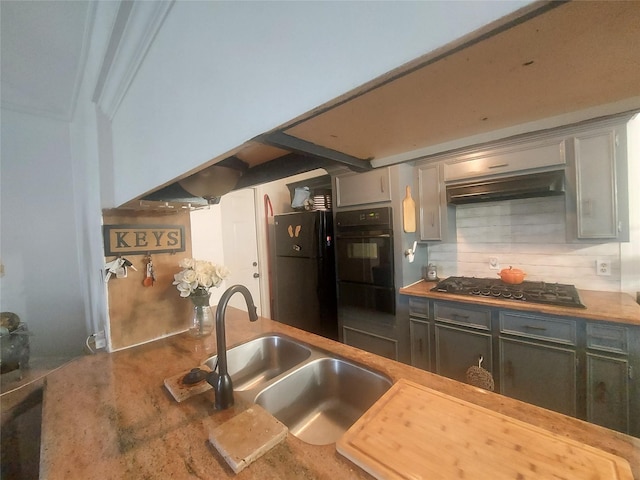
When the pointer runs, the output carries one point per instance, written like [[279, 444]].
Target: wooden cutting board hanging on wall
[[414, 432], [409, 212]]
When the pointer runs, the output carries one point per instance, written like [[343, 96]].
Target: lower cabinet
[[609, 387], [420, 343], [538, 360], [457, 349], [582, 368], [608, 391], [539, 374]]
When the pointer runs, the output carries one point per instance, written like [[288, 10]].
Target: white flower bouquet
[[198, 276]]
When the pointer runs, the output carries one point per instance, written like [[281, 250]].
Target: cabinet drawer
[[476, 317], [513, 159], [545, 328], [609, 338], [418, 307]]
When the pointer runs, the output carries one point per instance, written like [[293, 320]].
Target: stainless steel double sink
[[317, 395]]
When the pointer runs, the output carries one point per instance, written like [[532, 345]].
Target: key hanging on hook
[[149, 277]]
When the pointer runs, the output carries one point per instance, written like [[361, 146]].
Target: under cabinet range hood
[[507, 188]]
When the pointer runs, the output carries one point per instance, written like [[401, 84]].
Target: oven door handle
[[359, 235]]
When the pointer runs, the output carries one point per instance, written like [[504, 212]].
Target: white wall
[[220, 73], [43, 281], [206, 241]]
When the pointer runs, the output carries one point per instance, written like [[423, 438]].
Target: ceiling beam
[[282, 167], [297, 145]]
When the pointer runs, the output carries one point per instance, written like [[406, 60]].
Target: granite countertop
[[604, 306], [109, 415]]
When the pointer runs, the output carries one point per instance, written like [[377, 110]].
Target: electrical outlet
[[101, 341], [603, 267], [494, 264]]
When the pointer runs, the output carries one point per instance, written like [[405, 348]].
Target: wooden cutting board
[[409, 212], [416, 432]]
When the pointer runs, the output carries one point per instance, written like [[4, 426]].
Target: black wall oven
[[364, 257]]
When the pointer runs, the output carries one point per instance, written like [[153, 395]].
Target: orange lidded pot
[[512, 275]]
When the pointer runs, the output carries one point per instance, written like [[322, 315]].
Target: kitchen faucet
[[221, 380]]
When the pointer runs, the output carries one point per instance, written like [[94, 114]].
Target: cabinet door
[[596, 203], [539, 374], [420, 347], [608, 392], [362, 188], [430, 210], [458, 349]]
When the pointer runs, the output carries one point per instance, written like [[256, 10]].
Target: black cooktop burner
[[534, 292]]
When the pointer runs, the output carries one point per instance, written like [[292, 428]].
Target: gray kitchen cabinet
[[609, 376], [420, 344], [458, 348], [608, 391], [583, 368], [512, 157], [462, 336], [363, 188], [539, 374], [538, 360], [420, 333], [601, 184], [437, 219]]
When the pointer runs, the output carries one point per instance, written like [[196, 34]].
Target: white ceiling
[[43, 52]]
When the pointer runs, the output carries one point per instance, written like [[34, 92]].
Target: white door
[[239, 242]]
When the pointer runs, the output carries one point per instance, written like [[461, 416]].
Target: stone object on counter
[[247, 436], [14, 343]]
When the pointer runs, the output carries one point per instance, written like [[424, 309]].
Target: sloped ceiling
[[558, 58], [44, 46], [565, 57]]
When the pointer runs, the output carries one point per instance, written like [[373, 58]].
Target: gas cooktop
[[530, 292]]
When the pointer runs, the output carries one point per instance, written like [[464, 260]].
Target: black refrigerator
[[305, 275]]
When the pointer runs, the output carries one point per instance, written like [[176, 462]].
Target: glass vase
[[202, 323]]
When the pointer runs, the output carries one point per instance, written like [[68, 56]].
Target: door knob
[[256, 275]]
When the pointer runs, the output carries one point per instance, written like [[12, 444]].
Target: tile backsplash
[[527, 234]]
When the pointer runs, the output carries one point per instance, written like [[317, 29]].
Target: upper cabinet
[[591, 155], [601, 191], [437, 219], [519, 157], [363, 188]]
